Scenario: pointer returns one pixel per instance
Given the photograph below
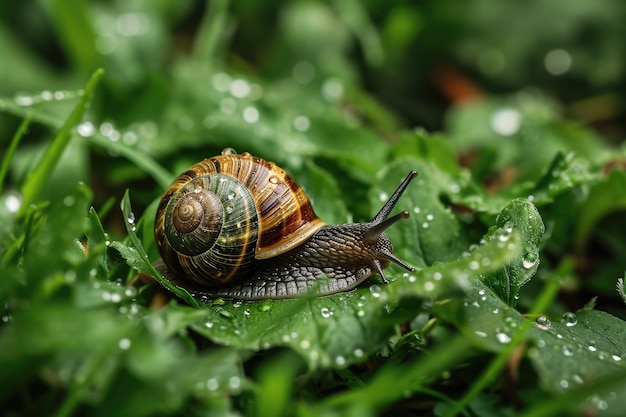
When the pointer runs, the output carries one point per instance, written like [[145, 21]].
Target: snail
[[236, 226]]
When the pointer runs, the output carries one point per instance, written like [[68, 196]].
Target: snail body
[[237, 226]]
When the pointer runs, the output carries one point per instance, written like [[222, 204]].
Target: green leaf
[[564, 173], [580, 350], [96, 244], [522, 216], [8, 156], [431, 234], [345, 328]]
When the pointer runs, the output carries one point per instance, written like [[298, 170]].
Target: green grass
[[516, 227]]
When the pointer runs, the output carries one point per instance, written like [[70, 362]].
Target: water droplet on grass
[[124, 343], [212, 384], [530, 259], [86, 129], [543, 323], [240, 88], [503, 337], [332, 90], [301, 123], [375, 290], [569, 319], [251, 114], [567, 350], [340, 360]]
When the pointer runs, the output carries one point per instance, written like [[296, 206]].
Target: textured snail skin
[[335, 253], [271, 244]]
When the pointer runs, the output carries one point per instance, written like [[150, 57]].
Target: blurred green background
[[327, 85], [182, 80], [492, 100]]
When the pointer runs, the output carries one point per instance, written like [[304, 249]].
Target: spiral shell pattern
[[225, 212]]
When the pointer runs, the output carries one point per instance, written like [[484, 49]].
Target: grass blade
[[19, 134], [129, 220], [36, 180]]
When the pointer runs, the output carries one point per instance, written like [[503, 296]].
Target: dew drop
[[230, 208], [437, 275], [24, 101], [543, 323], [358, 353], [124, 343], [305, 344], [506, 122], [221, 82], [251, 114], [228, 105], [273, 179], [303, 72], [70, 276], [375, 290], [212, 384], [473, 265], [567, 351], [417, 210], [326, 312], [503, 337], [383, 197], [480, 333], [340, 360], [13, 202], [429, 286], [430, 217], [229, 151], [425, 225], [557, 61], [530, 259], [564, 384], [301, 123], [592, 348], [569, 319], [86, 129], [240, 88], [332, 90], [616, 358]]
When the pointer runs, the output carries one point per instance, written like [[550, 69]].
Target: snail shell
[[237, 226]]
